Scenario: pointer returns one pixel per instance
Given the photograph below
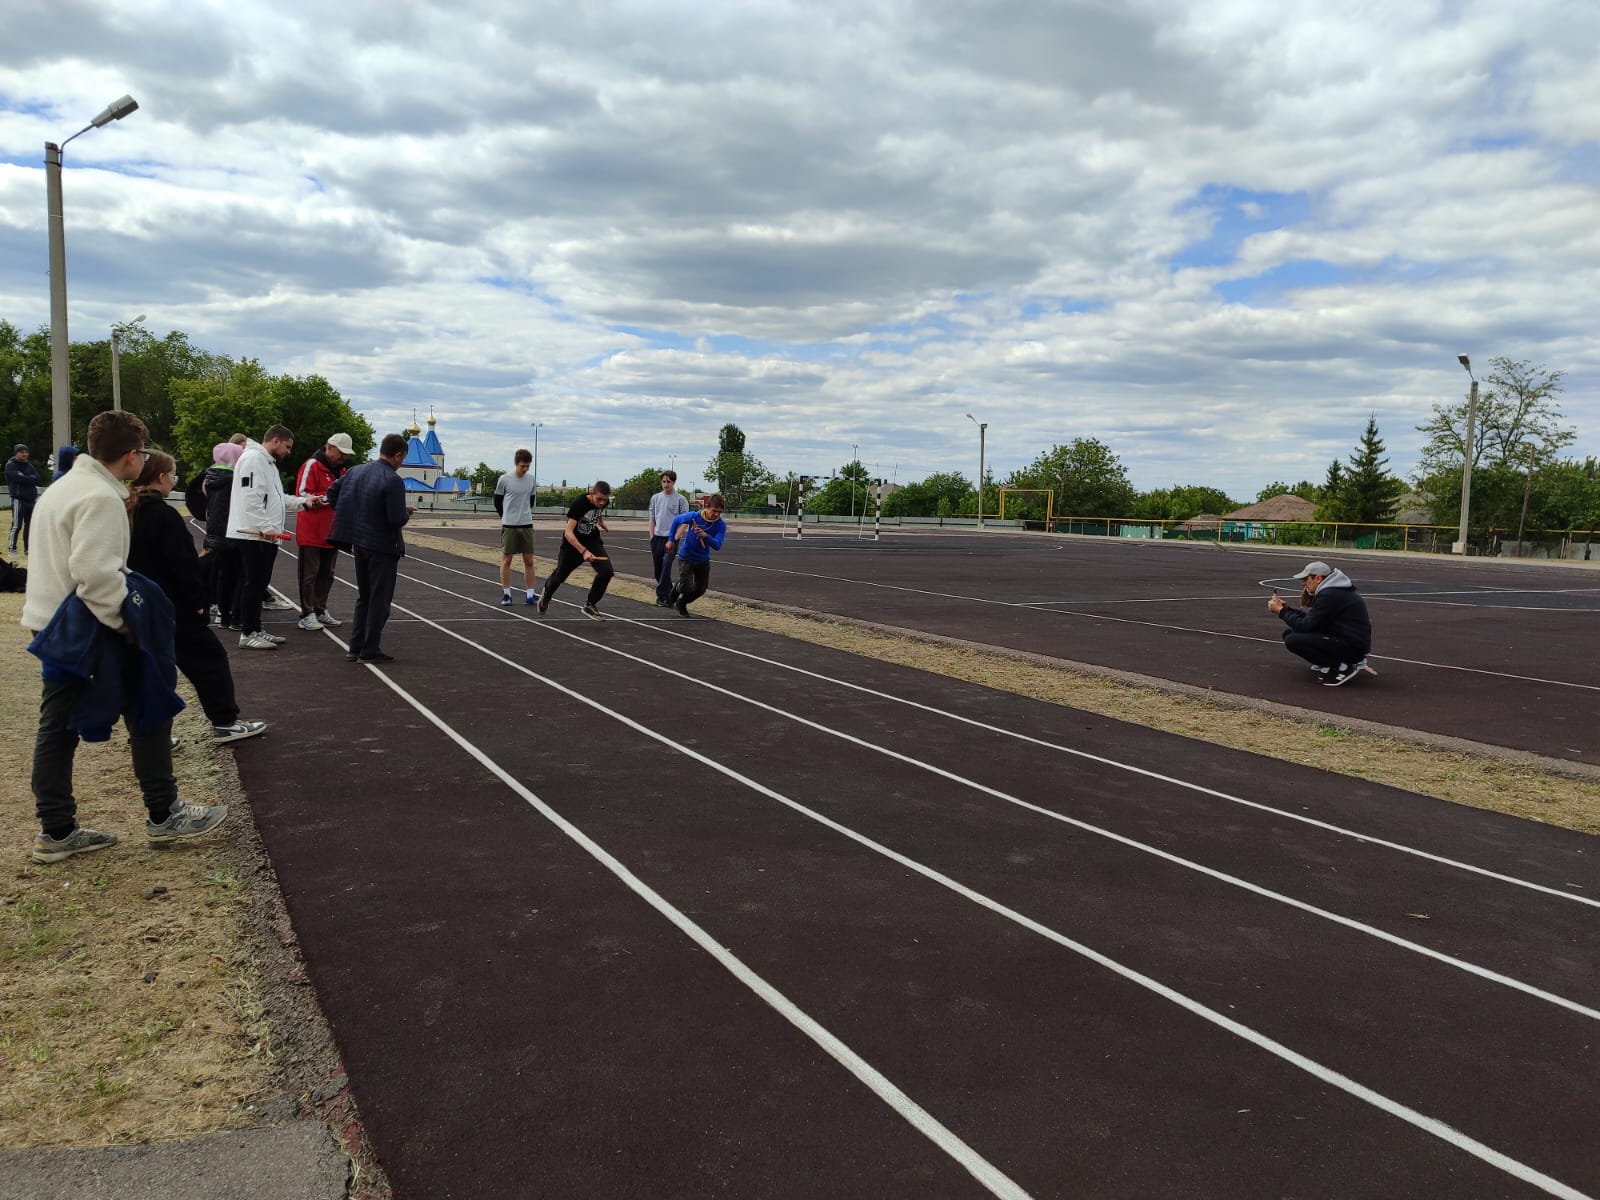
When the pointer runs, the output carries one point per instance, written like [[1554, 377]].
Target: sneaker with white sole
[[238, 731], [185, 821], [309, 623], [47, 849], [256, 641], [328, 621], [1341, 675], [505, 599], [276, 603], [275, 638], [593, 613]]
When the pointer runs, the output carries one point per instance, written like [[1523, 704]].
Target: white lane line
[[1246, 885], [1429, 1125], [1162, 625], [985, 1172], [1100, 760]]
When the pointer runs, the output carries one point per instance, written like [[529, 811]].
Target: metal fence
[[1579, 544]]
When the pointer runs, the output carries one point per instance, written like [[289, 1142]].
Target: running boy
[[513, 500], [693, 537], [580, 543]]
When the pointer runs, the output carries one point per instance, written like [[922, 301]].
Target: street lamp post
[[1466, 458], [537, 425], [983, 427], [60, 365], [118, 331], [853, 446]]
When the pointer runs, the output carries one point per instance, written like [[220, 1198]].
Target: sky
[[1216, 237]]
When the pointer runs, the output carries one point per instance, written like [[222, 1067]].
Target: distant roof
[[416, 456], [1282, 507], [430, 441]]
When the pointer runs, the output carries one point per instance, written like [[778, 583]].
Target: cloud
[[1215, 236]]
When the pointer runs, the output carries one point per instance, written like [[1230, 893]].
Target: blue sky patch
[[1237, 213]]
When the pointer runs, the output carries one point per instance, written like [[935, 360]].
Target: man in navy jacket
[[1335, 633], [22, 481], [369, 510]]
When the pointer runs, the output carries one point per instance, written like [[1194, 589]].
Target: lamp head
[[115, 111], [1465, 362]]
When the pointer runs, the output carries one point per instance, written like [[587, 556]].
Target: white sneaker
[[256, 641], [309, 623], [275, 639], [237, 731], [275, 602], [328, 621]]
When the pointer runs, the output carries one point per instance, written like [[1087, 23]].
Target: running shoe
[[593, 613], [47, 849], [327, 620], [185, 821], [544, 601], [309, 623], [256, 641], [505, 599], [1341, 675], [238, 731]]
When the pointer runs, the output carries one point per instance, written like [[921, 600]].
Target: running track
[[665, 908]]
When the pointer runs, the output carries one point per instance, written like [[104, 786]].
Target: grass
[[126, 1014]]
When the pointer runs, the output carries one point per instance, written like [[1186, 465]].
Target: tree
[[484, 477], [1517, 412], [1330, 506], [740, 476], [637, 490], [1368, 494], [1088, 480], [1305, 489], [228, 398], [939, 495], [313, 408], [1182, 502]]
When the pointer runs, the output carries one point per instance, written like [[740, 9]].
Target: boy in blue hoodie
[[693, 536]]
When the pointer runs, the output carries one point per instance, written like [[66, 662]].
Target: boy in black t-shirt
[[580, 543]]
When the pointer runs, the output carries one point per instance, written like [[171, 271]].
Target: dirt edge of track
[[1464, 772]]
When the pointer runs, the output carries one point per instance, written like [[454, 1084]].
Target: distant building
[[423, 468]]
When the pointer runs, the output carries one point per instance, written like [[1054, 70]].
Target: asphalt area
[[655, 907]]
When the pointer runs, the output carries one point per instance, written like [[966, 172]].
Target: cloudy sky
[[1215, 236]]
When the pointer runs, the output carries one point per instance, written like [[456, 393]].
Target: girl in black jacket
[[161, 549]]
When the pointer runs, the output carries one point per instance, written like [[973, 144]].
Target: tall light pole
[[853, 446], [537, 425], [1466, 458], [118, 332], [60, 366], [983, 427]]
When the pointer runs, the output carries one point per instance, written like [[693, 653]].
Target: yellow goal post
[[1049, 508]]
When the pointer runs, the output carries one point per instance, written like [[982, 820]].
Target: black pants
[[21, 519], [568, 561], [662, 561], [256, 559], [316, 577], [693, 579], [1321, 650], [219, 572], [204, 663], [375, 576], [55, 746]]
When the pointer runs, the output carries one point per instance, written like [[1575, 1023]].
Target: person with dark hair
[[161, 549], [220, 561], [256, 520], [317, 556], [22, 481], [692, 539], [665, 505], [1334, 634], [65, 457], [513, 500], [369, 511], [81, 527], [581, 543]]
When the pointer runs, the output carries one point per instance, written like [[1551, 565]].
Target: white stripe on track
[[985, 1172], [1429, 1125], [1100, 760], [1246, 885]]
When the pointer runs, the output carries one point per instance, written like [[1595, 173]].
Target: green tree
[[484, 477], [1088, 480], [227, 398], [1182, 502], [1305, 489], [740, 476], [939, 495], [313, 408], [1517, 410], [1368, 494], [1330, 505], [636, 491]]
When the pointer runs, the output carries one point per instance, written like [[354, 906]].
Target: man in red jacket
[[312, 527]]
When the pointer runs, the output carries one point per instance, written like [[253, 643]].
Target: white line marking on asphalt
[[1430, 1125]]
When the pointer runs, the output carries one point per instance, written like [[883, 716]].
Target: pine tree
[[1369, 495]]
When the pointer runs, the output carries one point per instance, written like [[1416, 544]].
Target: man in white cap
[[1334, 634], [312, 527]]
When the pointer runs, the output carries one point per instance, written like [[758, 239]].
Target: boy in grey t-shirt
[[664, 506], [513, 500]]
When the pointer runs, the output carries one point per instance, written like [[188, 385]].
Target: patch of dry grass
[[130, 1008], [1479, 781]]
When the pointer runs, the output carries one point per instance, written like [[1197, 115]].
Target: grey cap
[[19, 448], [1315, 568]]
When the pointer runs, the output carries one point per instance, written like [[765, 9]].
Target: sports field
[[655, 907]]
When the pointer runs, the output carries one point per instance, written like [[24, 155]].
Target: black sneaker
[[1340, 675], [663, 602], [238, 731], [593, 613], [379, 657], [682, 606]]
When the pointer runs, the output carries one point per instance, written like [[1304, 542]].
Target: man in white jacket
[[256, 520], [80, 545]]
